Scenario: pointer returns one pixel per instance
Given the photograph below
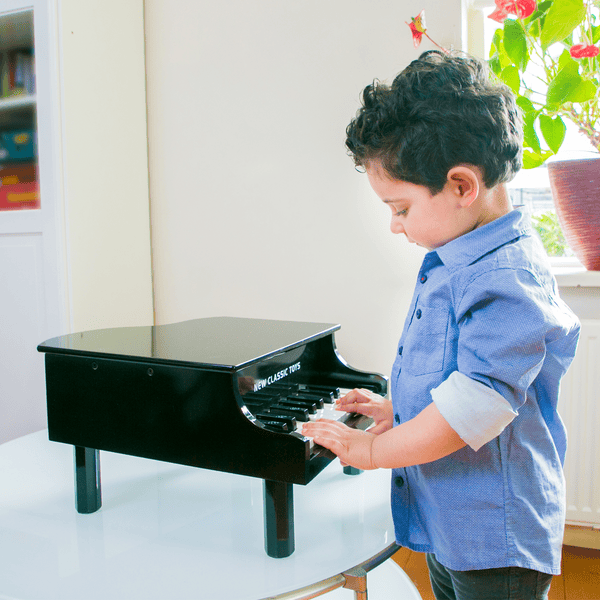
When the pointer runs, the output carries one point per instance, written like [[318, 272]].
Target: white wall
[[256, 210], [103, 102]]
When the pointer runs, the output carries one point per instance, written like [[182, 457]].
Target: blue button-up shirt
[[486, 313]]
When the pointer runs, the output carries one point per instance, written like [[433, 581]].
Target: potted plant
[[548, 53]]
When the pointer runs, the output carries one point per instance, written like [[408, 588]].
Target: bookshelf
[[15, 103], [19, 188], [18, 111]]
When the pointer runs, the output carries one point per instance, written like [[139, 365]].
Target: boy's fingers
[[355, 396], [377, 429], [324, 432], [357, 407], [359, 401], [321, 426]]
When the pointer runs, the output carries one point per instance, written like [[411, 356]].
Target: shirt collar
[[470, 247]]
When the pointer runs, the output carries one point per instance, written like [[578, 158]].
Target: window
[[531, 187]]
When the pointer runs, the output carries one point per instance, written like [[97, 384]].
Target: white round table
[[168, 531]]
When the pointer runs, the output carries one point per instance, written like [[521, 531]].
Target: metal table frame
[[353, 579]]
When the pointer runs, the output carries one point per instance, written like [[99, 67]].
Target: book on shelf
[[17, 73]]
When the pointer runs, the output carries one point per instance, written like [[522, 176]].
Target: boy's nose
[[396, 226]]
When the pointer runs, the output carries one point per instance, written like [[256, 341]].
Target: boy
[[472, 435]]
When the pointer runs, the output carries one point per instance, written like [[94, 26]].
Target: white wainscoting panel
[[22, 327]]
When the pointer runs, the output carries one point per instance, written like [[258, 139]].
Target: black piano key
[[286, 388], [289, 421], [257, 400], [311, 407], [318, 400], [259, 396], [332, 391], [301, 414], [276, 426], [284, 384]]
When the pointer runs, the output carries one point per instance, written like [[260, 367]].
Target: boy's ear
[[464, 183]]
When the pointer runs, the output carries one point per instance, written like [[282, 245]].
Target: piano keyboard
[[284, 408]]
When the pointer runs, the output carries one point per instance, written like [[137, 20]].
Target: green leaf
[[595, 34], [515, 43], [535, 29], [535, 21], [510, 76], [563, 86], [561, 19], [568, 41], [585, 91], [495, 65], [540, 11], [497, 41], [530, 137], [525, 104], [566, 60], [553, 131], [498, 57], [531, 160], [551, 234]]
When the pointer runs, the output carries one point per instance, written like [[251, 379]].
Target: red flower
[[583, 51], [417, 27], [519, 8]]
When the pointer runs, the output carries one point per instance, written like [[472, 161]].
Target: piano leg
[[279, 518], [88, 495]]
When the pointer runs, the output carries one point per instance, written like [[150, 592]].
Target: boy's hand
[[370, 404], [352, 446]]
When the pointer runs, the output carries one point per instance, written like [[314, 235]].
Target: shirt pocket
[[425, 343]]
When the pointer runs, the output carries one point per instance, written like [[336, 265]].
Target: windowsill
[[574, 274]]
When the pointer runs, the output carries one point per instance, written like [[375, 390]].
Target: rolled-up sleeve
[[504, 325], [475, 411]]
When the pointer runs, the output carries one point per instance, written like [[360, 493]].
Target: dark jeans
[[509, 583]]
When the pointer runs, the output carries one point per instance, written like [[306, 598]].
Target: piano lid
[[217, 343]]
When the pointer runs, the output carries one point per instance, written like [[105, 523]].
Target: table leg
[[88, 495], [279, 518], [356, 579]]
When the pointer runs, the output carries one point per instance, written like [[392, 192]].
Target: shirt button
[[424, 279], [400, 351], [419, 313], [397, 418], [399, 481]]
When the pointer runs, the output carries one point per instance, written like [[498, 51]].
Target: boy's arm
[[425, 438]]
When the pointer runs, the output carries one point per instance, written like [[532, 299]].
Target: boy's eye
[[401, 213]]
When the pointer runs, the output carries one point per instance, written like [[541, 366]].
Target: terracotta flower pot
[[575, 187]]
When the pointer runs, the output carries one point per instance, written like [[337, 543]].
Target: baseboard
[[582, 536]]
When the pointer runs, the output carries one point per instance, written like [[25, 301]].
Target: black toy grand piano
[[221, 393]]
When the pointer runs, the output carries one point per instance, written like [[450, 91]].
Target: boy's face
[[426, 220]]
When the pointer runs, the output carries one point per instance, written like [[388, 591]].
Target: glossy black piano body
[[177, 393]]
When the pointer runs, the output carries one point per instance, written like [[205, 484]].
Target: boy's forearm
[[425, 438]]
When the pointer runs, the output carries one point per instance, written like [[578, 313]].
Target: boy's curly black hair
[[441, 111]]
